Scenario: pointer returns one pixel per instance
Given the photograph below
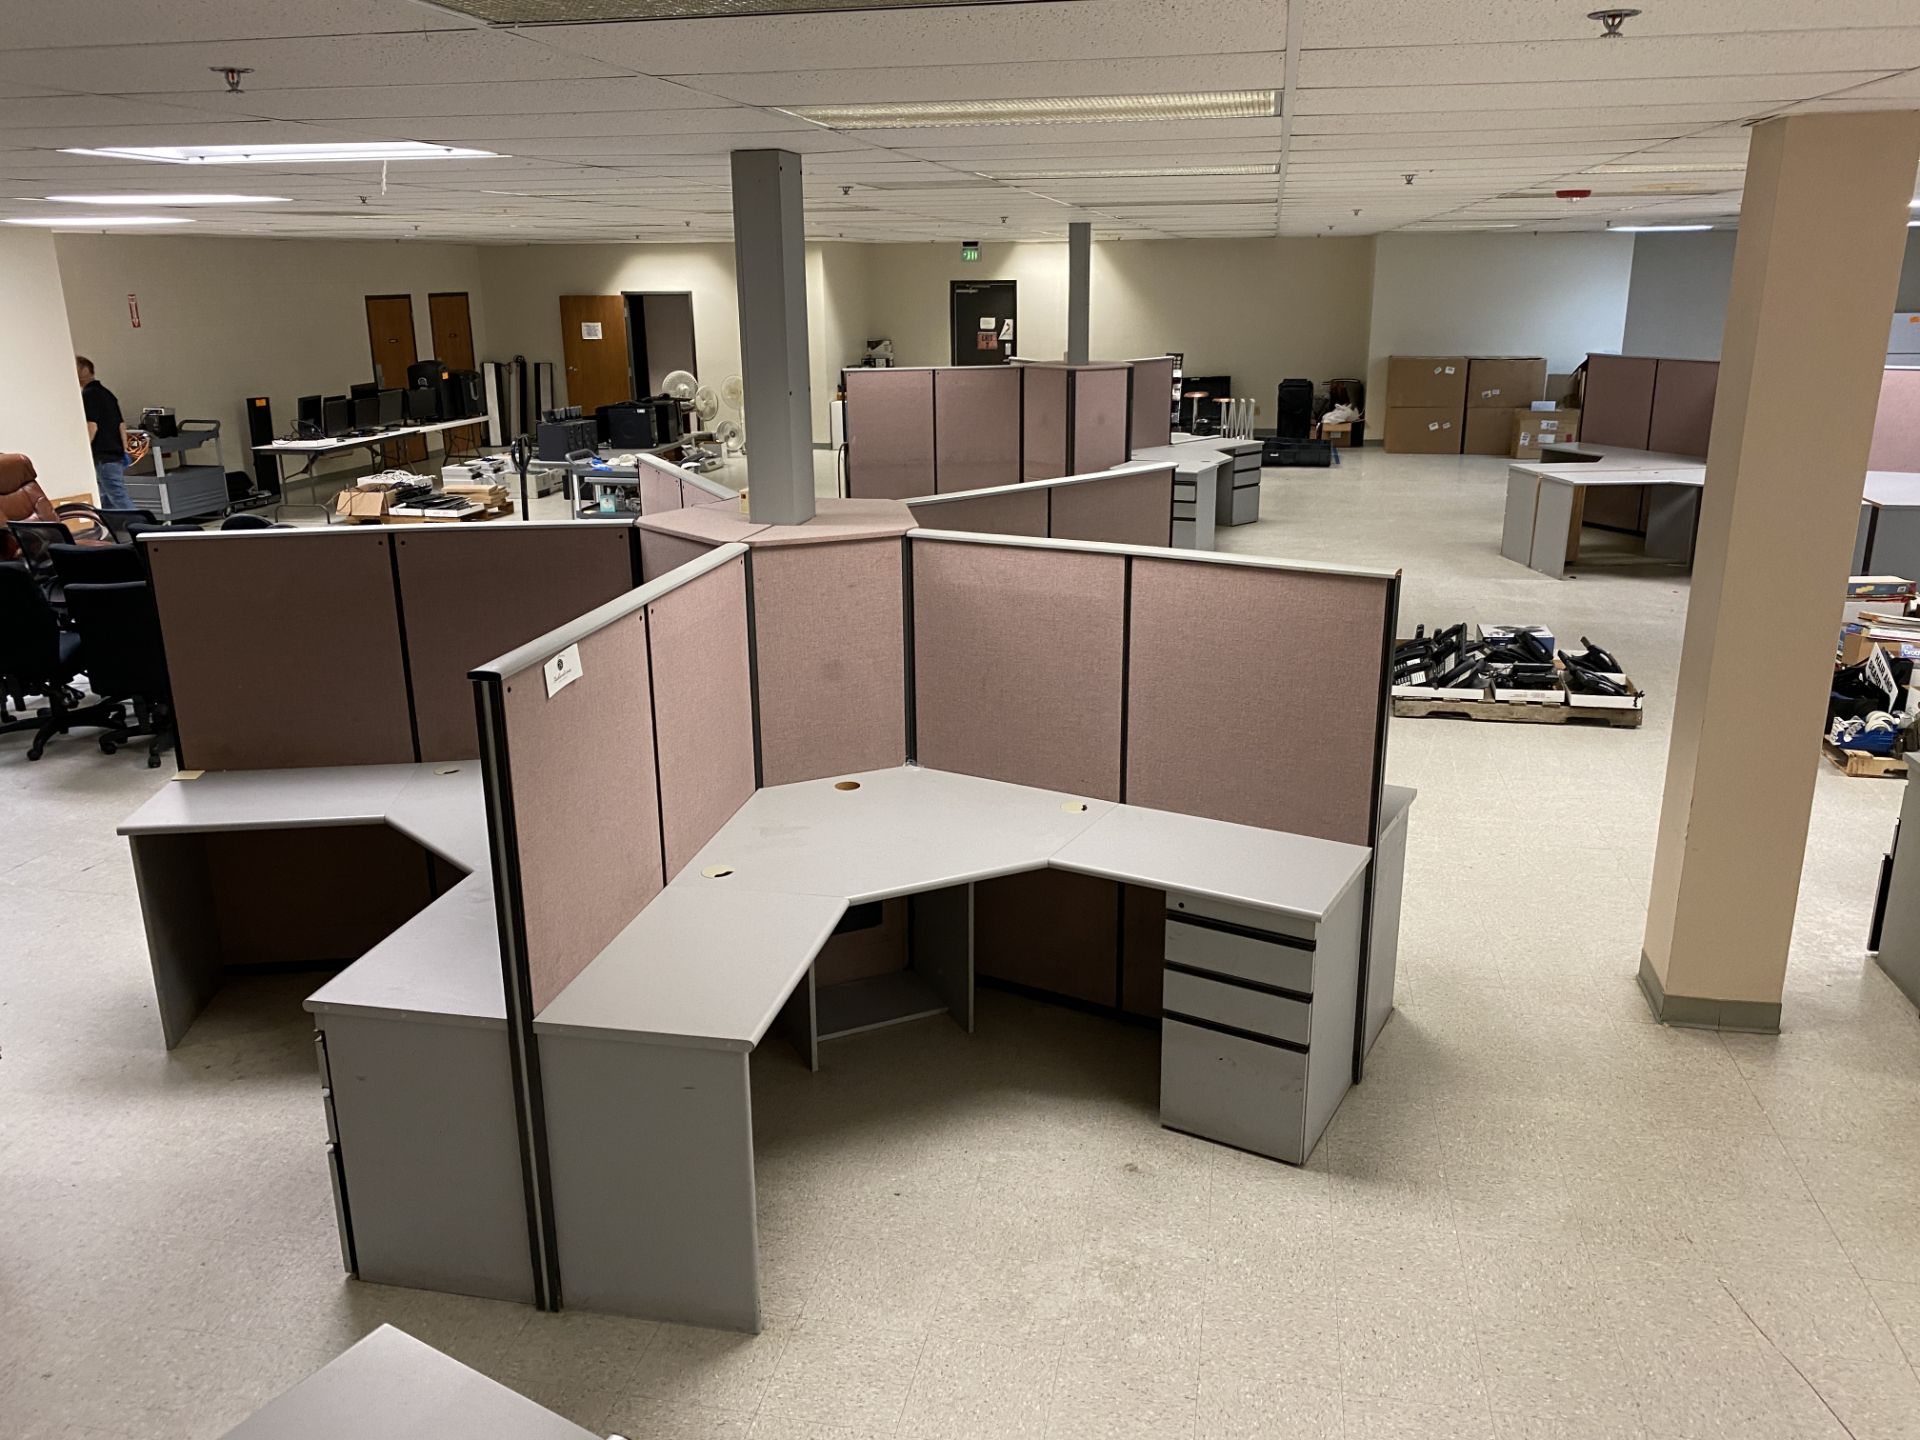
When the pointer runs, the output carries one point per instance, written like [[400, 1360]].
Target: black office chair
[[37, 539], [117, 521], [250, 522], [96, 564], [38, 657], [141, 527], [126, 665]]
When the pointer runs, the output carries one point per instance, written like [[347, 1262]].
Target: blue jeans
[[113, 491]]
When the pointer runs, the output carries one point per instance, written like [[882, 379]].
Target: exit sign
[[969, 249]]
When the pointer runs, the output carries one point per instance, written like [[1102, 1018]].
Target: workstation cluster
[[604, 827]]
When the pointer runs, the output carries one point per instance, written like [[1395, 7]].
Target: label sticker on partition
[[589, 329], [562, 670], [986, 322], [1006, 332]]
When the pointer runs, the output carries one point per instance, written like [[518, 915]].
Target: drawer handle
[[1299, 997], [1234, 1030], [1207, 922]]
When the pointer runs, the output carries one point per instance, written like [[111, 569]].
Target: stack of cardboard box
[[1459, 404]]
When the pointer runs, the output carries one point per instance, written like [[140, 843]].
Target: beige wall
[[1558, 295], [524, 285], [40, 413], [222, 319], [1258, 310]]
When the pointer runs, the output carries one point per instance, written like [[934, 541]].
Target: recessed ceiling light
[[1070, 110], [286, 154], [70, 222], [1689, 169], [1655, 229], [1140, 173], [170, 199]]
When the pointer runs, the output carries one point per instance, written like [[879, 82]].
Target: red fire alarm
[[1571, 194]]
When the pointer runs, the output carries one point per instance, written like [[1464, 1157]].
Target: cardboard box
[[1426, 382], [1488, 432], [1423, 430], [1504, 382], [358, 504], [1533, 428]]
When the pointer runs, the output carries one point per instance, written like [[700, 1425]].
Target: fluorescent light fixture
[[1137, 173], [1069, 110], [287, 154], [570, 12], [1701, 168], [76, 222], [1655, 229], [170, 199]]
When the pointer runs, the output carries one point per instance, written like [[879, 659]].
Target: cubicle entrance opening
[[983, 321]]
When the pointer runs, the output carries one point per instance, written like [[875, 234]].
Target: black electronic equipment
[[159, 422], [1293, 410], [423, 406], [393, 407], [266, 467], [336, 413], [669, 418], [471, 392], [309, 418], [557, 437], [365, 387], [424, 374], [366, 410], [628, 425]]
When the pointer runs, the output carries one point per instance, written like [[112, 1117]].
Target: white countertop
[[1576, 473], [309, 798], [1893, 488]]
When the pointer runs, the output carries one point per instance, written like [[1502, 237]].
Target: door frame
[[633, 355], [469, 437], [412, 448], [953, 296]]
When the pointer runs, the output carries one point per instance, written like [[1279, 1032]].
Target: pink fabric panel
[[829, 633], [586, 812], [1618, 401], [1683, 392], [1896, 429], [1152, 403], [659, 491], [1101, 419], [1017, 660], [1044, 422], [702, 707], [976, 417], [1127, 509], [1254, 695], [660, 553], [1018, 512], [889, 433]]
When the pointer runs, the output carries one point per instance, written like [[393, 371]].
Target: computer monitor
[[366, 411], [336, 415], [423, 406], [393, 409], [309, 414], [366, 387]]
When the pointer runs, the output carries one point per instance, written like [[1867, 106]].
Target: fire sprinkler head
[[231, 74], [1611, 21]]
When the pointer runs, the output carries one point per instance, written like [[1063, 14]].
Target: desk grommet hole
[[717, 872], [846, 784]]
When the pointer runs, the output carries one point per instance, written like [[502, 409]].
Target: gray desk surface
[[903, 831], [391, 1386], [1574, 473], [270, 799], [706, 967], [1614, 456], [444, 807], [1896, 488], [442, 965], [1270, 869]]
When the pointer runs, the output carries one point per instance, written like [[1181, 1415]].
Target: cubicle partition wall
[[1152, 422], [1100, 402], [1130, 505], [1644, 402], [1896, 425], [976, 427], [890, 430], [1046, 422], [390, 620]]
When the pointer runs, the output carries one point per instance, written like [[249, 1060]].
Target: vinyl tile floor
[[1541, 1216]]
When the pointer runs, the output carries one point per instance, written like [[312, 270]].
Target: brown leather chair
[[21, 498]]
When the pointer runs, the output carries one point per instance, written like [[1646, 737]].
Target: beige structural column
[[1815, 271]]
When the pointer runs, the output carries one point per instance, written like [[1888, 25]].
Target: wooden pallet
[[1516, 712], [1859, 763]]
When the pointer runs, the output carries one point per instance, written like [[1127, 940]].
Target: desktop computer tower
[[266, 469], [423, 405], [1293, 410], [471, 393]]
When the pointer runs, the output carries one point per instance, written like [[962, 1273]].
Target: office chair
[[251, 522], [36, 539], [126, 667], [37, 657], [117, 521], [96, 564], [140, 527], [21, 498]]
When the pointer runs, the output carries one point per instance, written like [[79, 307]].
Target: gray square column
[[770, 268]]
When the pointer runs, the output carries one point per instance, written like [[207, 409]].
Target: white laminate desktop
[[1546, 503]]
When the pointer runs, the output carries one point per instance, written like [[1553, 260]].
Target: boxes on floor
[[1488, 432], [1423, 430], [1505, 382], [359, 504], [1899, 638], [1427, 382], [1530, 429]]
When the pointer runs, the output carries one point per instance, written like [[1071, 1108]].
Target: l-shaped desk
[[645, 1054], [1546, 502]]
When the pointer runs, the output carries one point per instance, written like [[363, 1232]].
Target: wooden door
[[390, 336], [452, 325], [593, 342]]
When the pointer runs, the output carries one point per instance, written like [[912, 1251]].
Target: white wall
[[40, 411], [222, 319], [1677, 304], [1257, 310], [524, 285], [1483, 293]]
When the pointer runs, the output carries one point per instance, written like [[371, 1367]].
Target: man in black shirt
[[107, 433]]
